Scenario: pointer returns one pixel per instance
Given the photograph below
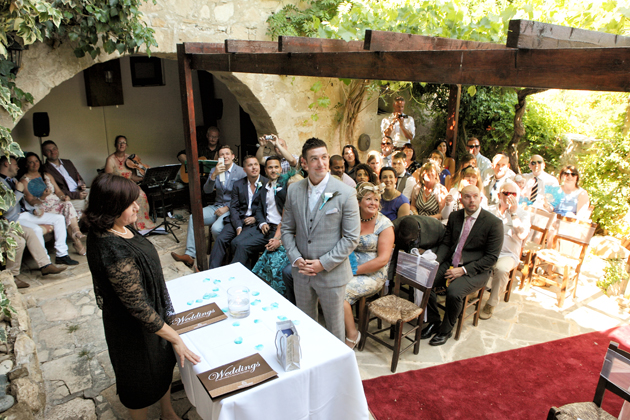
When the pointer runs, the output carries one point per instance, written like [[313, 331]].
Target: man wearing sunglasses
[[537, 180], [387, 148], [474, 148], [516, 225], [495, 177]]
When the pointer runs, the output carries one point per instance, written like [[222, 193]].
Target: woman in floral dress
[[115, 164], [57, 202], [372, 253]]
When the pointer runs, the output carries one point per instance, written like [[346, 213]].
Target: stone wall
[[19, 362], [276, 104]]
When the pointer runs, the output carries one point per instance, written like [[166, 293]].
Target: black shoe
[[66, 260], [430, 330], [440, 339]]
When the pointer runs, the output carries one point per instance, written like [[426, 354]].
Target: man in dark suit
[[471, 246], [64, 172], [242, 210], [270, 203]]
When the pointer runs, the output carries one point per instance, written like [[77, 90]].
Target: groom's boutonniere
[[328, 196]]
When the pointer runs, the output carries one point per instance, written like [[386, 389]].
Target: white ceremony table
[[327, 386]]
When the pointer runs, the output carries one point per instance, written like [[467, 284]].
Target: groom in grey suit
[[320, 228]]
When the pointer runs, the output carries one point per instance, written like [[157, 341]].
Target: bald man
[[471, 246], [495, 177]]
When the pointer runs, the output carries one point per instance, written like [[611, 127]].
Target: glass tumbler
[[238, 301]]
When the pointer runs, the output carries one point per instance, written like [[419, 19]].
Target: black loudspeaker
[[41, 125]]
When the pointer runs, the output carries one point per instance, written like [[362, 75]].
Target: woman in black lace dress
[[130, 289]]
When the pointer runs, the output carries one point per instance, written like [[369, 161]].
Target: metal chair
[[560, 264]]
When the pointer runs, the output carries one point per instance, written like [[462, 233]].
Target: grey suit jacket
[[224, 192], [329, 234]]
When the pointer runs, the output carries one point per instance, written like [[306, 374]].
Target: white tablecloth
[[327, 386]]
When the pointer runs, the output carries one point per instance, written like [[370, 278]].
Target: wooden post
[[192, 156], [452, 122]]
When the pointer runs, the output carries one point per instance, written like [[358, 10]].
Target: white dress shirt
[[273, 216], [397, 135], [250, 195], [315, 191], [72, 185]]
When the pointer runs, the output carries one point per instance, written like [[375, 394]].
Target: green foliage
[[292, 21], [605, 174], [5, 304], [614, 272]]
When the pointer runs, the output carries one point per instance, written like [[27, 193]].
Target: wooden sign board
[[196, 318], [236, 376]]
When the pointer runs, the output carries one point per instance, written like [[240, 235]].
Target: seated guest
[[115, 164], [437, 157], [242, 212], [465, 161], [516, 224], [387, 151], [468, 176], [421, 232], [574, 201], [372, 253], [276, 147], [474, 147], [495, 177], [64, 173], [538, 180], [470, 249], [393, 203], [405, 182], [375, 161], [274, 259], [55, 202], [411, 163], [31, 225], [337, 169], [265, 234], [449, 163], [350, 160], [209, 150], [364, 173], [428, 196], [215, 214]]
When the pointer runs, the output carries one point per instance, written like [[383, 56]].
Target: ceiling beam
[[604, 69], [296, 44], [536, 35], [395, 41], [204, 48], [240, 46]]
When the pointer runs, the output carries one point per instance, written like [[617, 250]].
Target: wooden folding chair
[[561, 263], [541, 221], [397, 312]]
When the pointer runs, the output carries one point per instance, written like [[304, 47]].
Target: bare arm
[[285, 154], [383, 253], [404, 210], [57, 191], [582, 205], [109, 165], [412, 201]]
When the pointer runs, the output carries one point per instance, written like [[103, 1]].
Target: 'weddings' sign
[[235, 376], [197, 318]]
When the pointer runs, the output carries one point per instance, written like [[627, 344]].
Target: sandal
[[79, 248], [355, 341]]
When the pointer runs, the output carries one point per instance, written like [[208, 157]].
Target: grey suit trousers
[[331, 298]]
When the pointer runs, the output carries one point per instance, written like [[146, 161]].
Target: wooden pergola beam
[[296, 44], [536, 35], [204, 48], [240, 46], [603, 69], [395, 41]]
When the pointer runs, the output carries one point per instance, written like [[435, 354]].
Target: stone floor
[[79, 378]]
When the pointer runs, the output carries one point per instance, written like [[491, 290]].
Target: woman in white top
[[468, 176]]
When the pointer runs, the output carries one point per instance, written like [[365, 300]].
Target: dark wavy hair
[[23, 168], [312, 143], [387, 168], [354, 151], [367, 168], [110, 196]]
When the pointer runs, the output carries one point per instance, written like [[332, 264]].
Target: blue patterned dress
[[368, 284], [269, 268]]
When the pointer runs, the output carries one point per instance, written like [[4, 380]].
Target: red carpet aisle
[[516, 384]]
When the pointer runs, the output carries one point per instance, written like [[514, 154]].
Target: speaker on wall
[[41, 125]]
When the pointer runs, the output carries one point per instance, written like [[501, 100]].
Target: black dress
[[130, 289]]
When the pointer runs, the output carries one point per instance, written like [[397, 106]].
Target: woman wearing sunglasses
[[574, 201]]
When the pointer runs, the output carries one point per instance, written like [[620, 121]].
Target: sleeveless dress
[[568, 202], [366, 250], [130, 289], [430, 207], [144, 220], [53, 204], [390, 208]]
